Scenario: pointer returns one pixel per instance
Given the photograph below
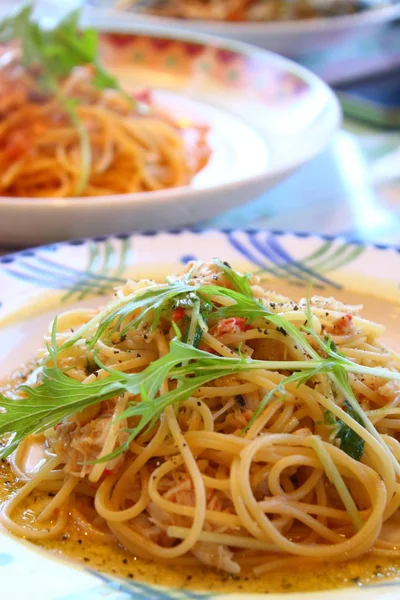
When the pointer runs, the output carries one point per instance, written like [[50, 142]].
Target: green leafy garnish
[[350, 442], [196, 324], [336, 479], [185, 366], [254, 310], [55, 53], [143, 303], [193, 331], [299, 378], [55, 399], [338, 374], [59, 396], [241, 283]]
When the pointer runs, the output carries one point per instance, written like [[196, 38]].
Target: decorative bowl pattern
[[228, 67]]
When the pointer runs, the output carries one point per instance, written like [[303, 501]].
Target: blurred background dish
[[68, 129], [292, 28], [266, 116], [351, 188], [251, 10]]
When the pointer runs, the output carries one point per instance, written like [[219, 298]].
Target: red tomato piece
[[231, 325], [17, 145], [178, 314]]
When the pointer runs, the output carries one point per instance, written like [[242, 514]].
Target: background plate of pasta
[[198, 415], [291, 27], [104, 132]]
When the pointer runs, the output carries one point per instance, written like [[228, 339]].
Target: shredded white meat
[[217, 556]]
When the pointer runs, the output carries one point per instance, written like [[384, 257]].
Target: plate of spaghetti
[[291, 27], [234, 416], [100, 132]]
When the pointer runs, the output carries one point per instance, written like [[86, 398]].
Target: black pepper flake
[[86, 559], [327, 314], [145, 336], [215, 277], [282, 331], [286, 585], [96, 374], [122, 338], [189, 577], [272, 305], [65, 537], [198, 403], [116, 351], [79, 541], [227, 264], [51, 494], [72, 330], [295, 307], [131, 576], [259, 329], [240, 401], [125, 561]]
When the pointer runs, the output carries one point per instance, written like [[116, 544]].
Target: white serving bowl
[[267, 116], [291, 38]]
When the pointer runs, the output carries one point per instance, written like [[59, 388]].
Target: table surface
[[332, 194]]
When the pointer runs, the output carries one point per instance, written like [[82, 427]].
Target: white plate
[[291, 38], [36, 284], [267, 116]]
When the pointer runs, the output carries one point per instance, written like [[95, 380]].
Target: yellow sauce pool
[[113, 559]]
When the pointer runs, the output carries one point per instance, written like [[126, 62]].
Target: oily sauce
[[115, 560]]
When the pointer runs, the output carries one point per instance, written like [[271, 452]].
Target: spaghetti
[[68, 129], [211, 420]]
